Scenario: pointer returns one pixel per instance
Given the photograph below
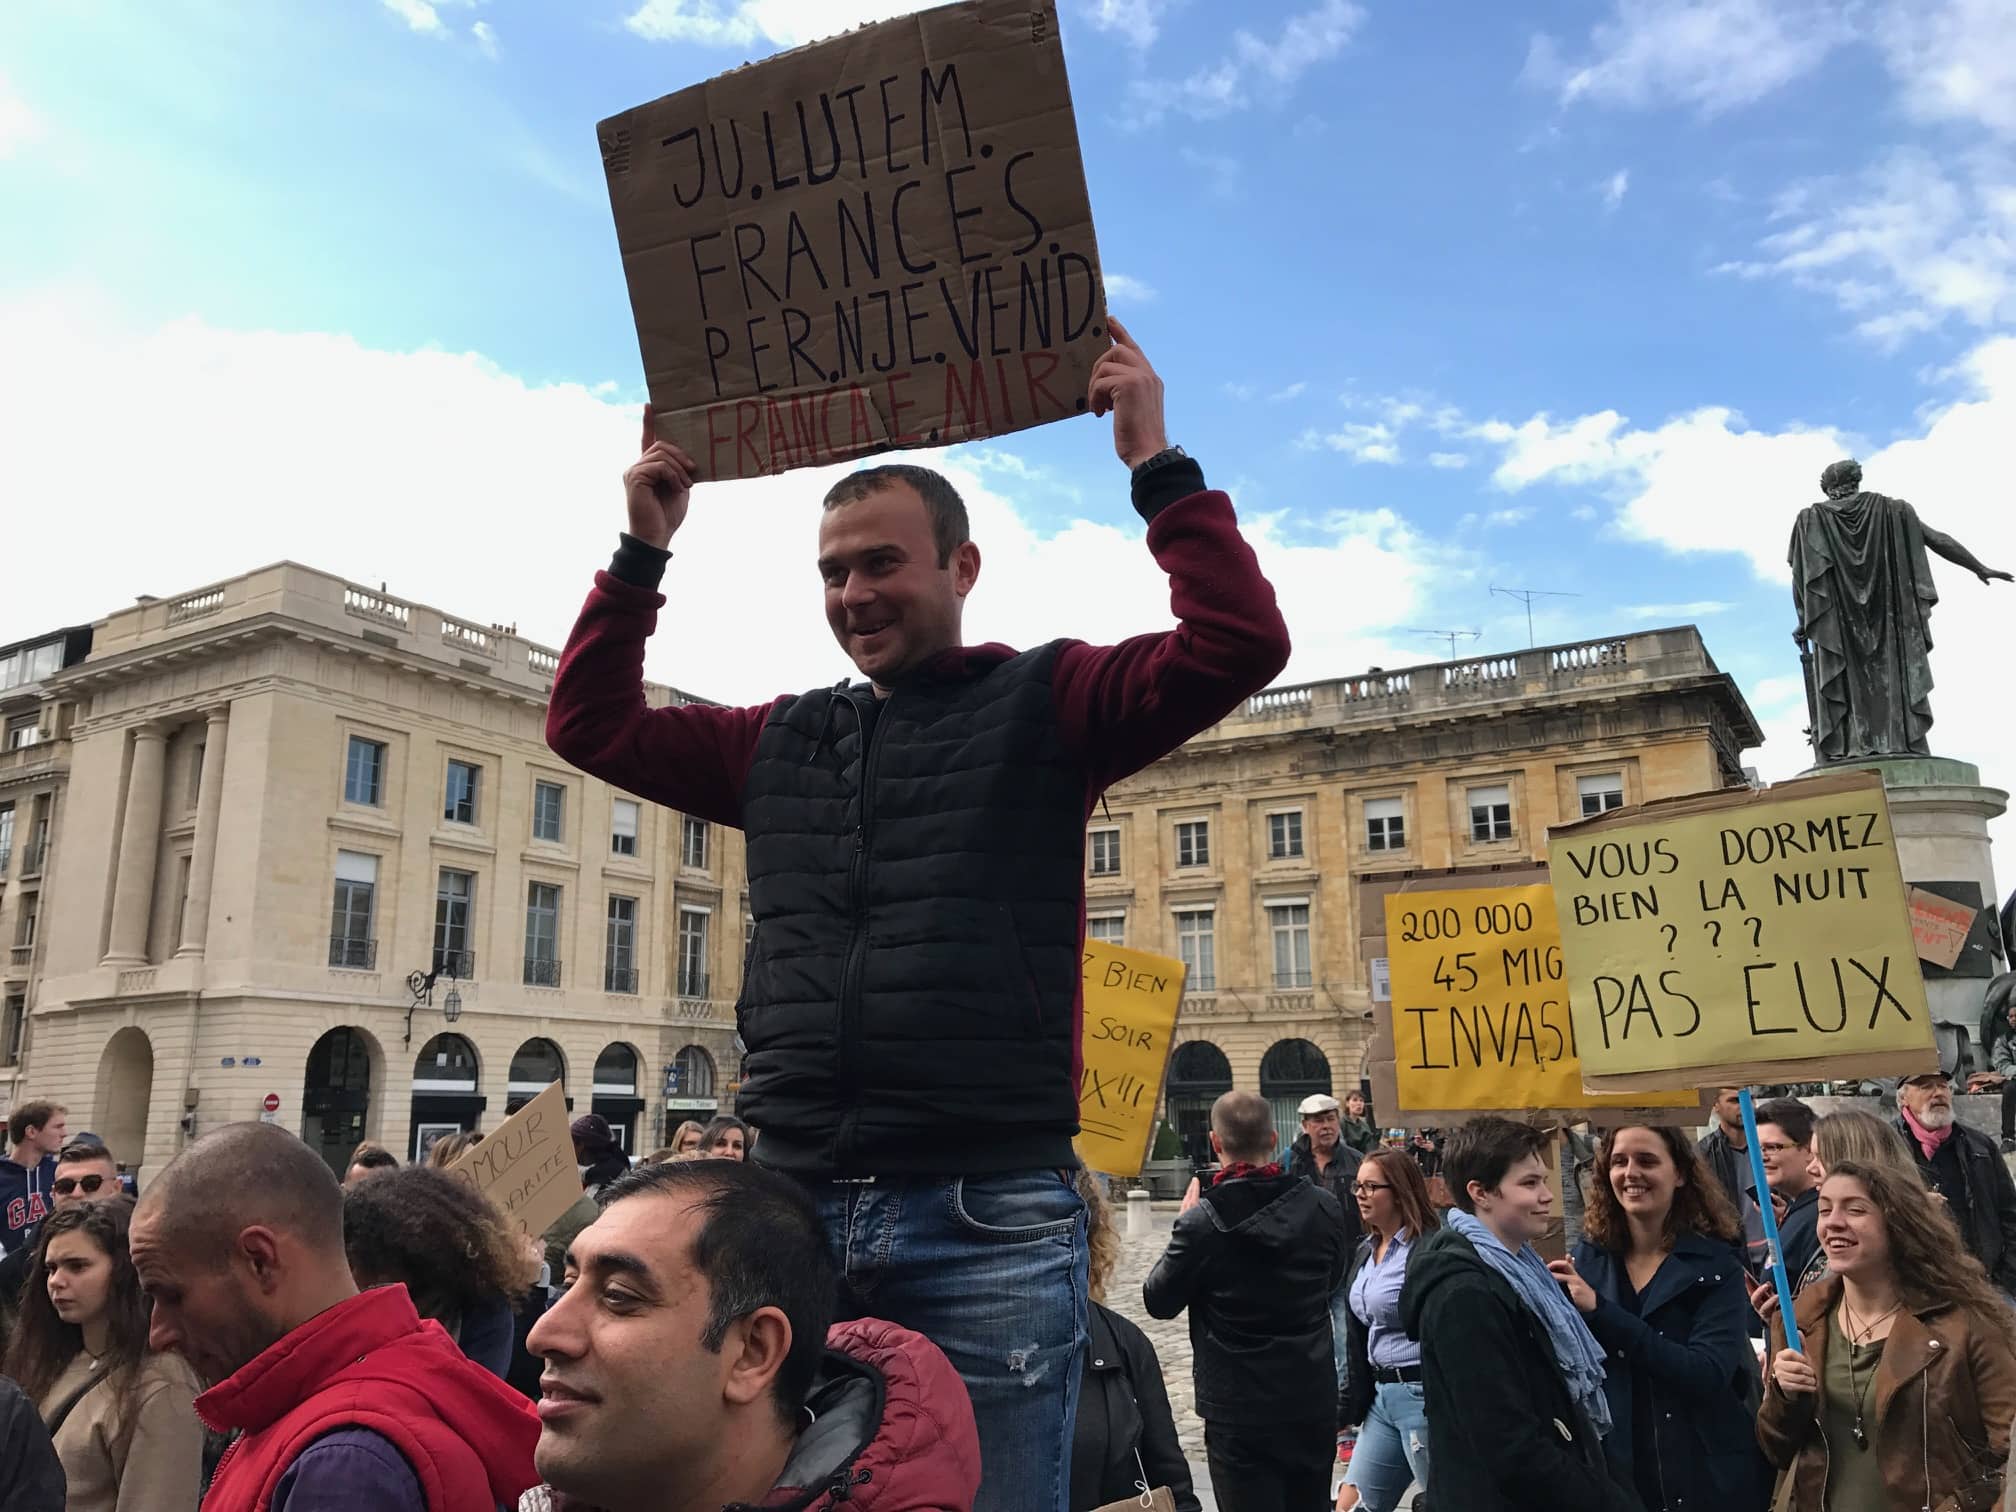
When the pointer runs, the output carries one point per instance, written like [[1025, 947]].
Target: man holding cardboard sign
[[916, 872]]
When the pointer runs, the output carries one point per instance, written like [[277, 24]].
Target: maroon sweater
[[1118, 707]]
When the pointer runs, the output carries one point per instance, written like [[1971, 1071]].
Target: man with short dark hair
[[1513, 1379], [689, 1362], [1785, 1141], [916, 861], [343, 1398], [1256, 1261], [1964, 1167], [84, 1173], [1726, 1148], [35, 1132]]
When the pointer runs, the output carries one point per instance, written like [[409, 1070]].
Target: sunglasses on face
[[65, 1185]]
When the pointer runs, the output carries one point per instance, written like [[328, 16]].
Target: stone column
[[203, 860], [139, 848]]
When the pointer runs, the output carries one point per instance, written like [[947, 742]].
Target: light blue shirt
[[1375, 1299]]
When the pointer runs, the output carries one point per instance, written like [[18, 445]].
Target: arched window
[[1291, 1070], [1199, 1075], [616, 1072], [692, 1074]]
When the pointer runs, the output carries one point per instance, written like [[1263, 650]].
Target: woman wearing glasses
[[1382, 1379], [1658, 1280]]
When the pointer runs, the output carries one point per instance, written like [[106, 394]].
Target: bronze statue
[[1863, 591]]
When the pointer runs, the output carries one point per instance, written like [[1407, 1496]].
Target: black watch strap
[[1169, 475]]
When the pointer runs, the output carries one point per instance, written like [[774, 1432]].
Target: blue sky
[[1576, 296]]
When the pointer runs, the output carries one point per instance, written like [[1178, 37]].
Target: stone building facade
[[289, 795], [1259, 851]]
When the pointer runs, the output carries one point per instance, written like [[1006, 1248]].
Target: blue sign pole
[[1770, 1214]]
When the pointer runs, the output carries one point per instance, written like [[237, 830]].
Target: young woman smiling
[[1382, 1378], [121, 1418], [1658, 1278], [1905, 1391]]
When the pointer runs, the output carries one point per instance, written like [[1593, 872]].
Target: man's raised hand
[[657, 488], [1125, 385]]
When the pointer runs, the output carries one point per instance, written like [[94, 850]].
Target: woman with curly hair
[[121, 1417], [1904, 1391], [1658, 1279], [449, 1246]]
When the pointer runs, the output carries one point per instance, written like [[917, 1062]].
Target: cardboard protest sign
[[1480, 1005], [527, 1166], [1131, 998], [1939, 926], [878, 241], [1730, 938]]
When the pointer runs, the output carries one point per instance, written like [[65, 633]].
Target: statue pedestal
[[1940, 810]]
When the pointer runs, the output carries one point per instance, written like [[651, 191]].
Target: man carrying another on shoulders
[[916, 857]]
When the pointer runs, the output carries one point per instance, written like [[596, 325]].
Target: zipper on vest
[[857, 940]]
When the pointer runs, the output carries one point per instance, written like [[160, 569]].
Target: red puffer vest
[[372, 1363]]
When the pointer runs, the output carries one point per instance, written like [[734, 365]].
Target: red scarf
[[1239, 1169], [1929, 1140]]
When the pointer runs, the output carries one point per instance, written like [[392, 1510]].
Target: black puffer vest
[[909, 1001]]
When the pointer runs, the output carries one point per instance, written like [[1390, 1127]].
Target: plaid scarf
[[1239, 1169]]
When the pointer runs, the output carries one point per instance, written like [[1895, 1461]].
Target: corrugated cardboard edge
[[1861, 781]]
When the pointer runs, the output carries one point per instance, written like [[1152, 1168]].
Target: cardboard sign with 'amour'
[[878, 241], [1738, 937], [526, 1167], [1480, 1005], [1131, 998]]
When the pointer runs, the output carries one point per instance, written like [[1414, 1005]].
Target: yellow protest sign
[[1480, 1005], [1737, 937], [1131, 999]]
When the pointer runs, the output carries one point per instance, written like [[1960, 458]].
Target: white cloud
[[424, 16], [19, 124], [1239, 391], [222, 433], [741, 23], [1903, 247], [1248, 63], [1675, 613], [1614, 188], [1128, 289], [1288, 391], [486, 39], [1139, 21], [1449, 461], [1723, 498], [1219, 170], [1517, 515], [1955, 59], [1361, 442]]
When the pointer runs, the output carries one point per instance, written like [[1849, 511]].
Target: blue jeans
[[1392, 1450], [991, 1269], [1340, 1321]]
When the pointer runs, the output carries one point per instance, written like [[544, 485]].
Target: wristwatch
[[1161, 459]]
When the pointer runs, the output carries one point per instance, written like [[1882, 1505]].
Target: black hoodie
[[1255, 1261], [1504, 1435]]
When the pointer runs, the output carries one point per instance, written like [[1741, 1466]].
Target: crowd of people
[[888, 1290]]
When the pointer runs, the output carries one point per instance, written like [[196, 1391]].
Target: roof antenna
[[1451, 636], [1526, 597]]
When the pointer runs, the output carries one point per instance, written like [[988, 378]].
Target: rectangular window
[[1600, 794], [1110, 928], [6, 838], [31, 915], [1490, 814], [692, 843], [351, 945], [1385, 824], [623, 827], [620, 964], [1288, 922], [1197, 945], [454, 947], [549, 803], [693, 952], [196, 775], [13, 1028], [459, 801], [364, 772], [1103, 852], [1284, 836], [542, 934], [23, 731], [182, 874], [1193, 843]]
